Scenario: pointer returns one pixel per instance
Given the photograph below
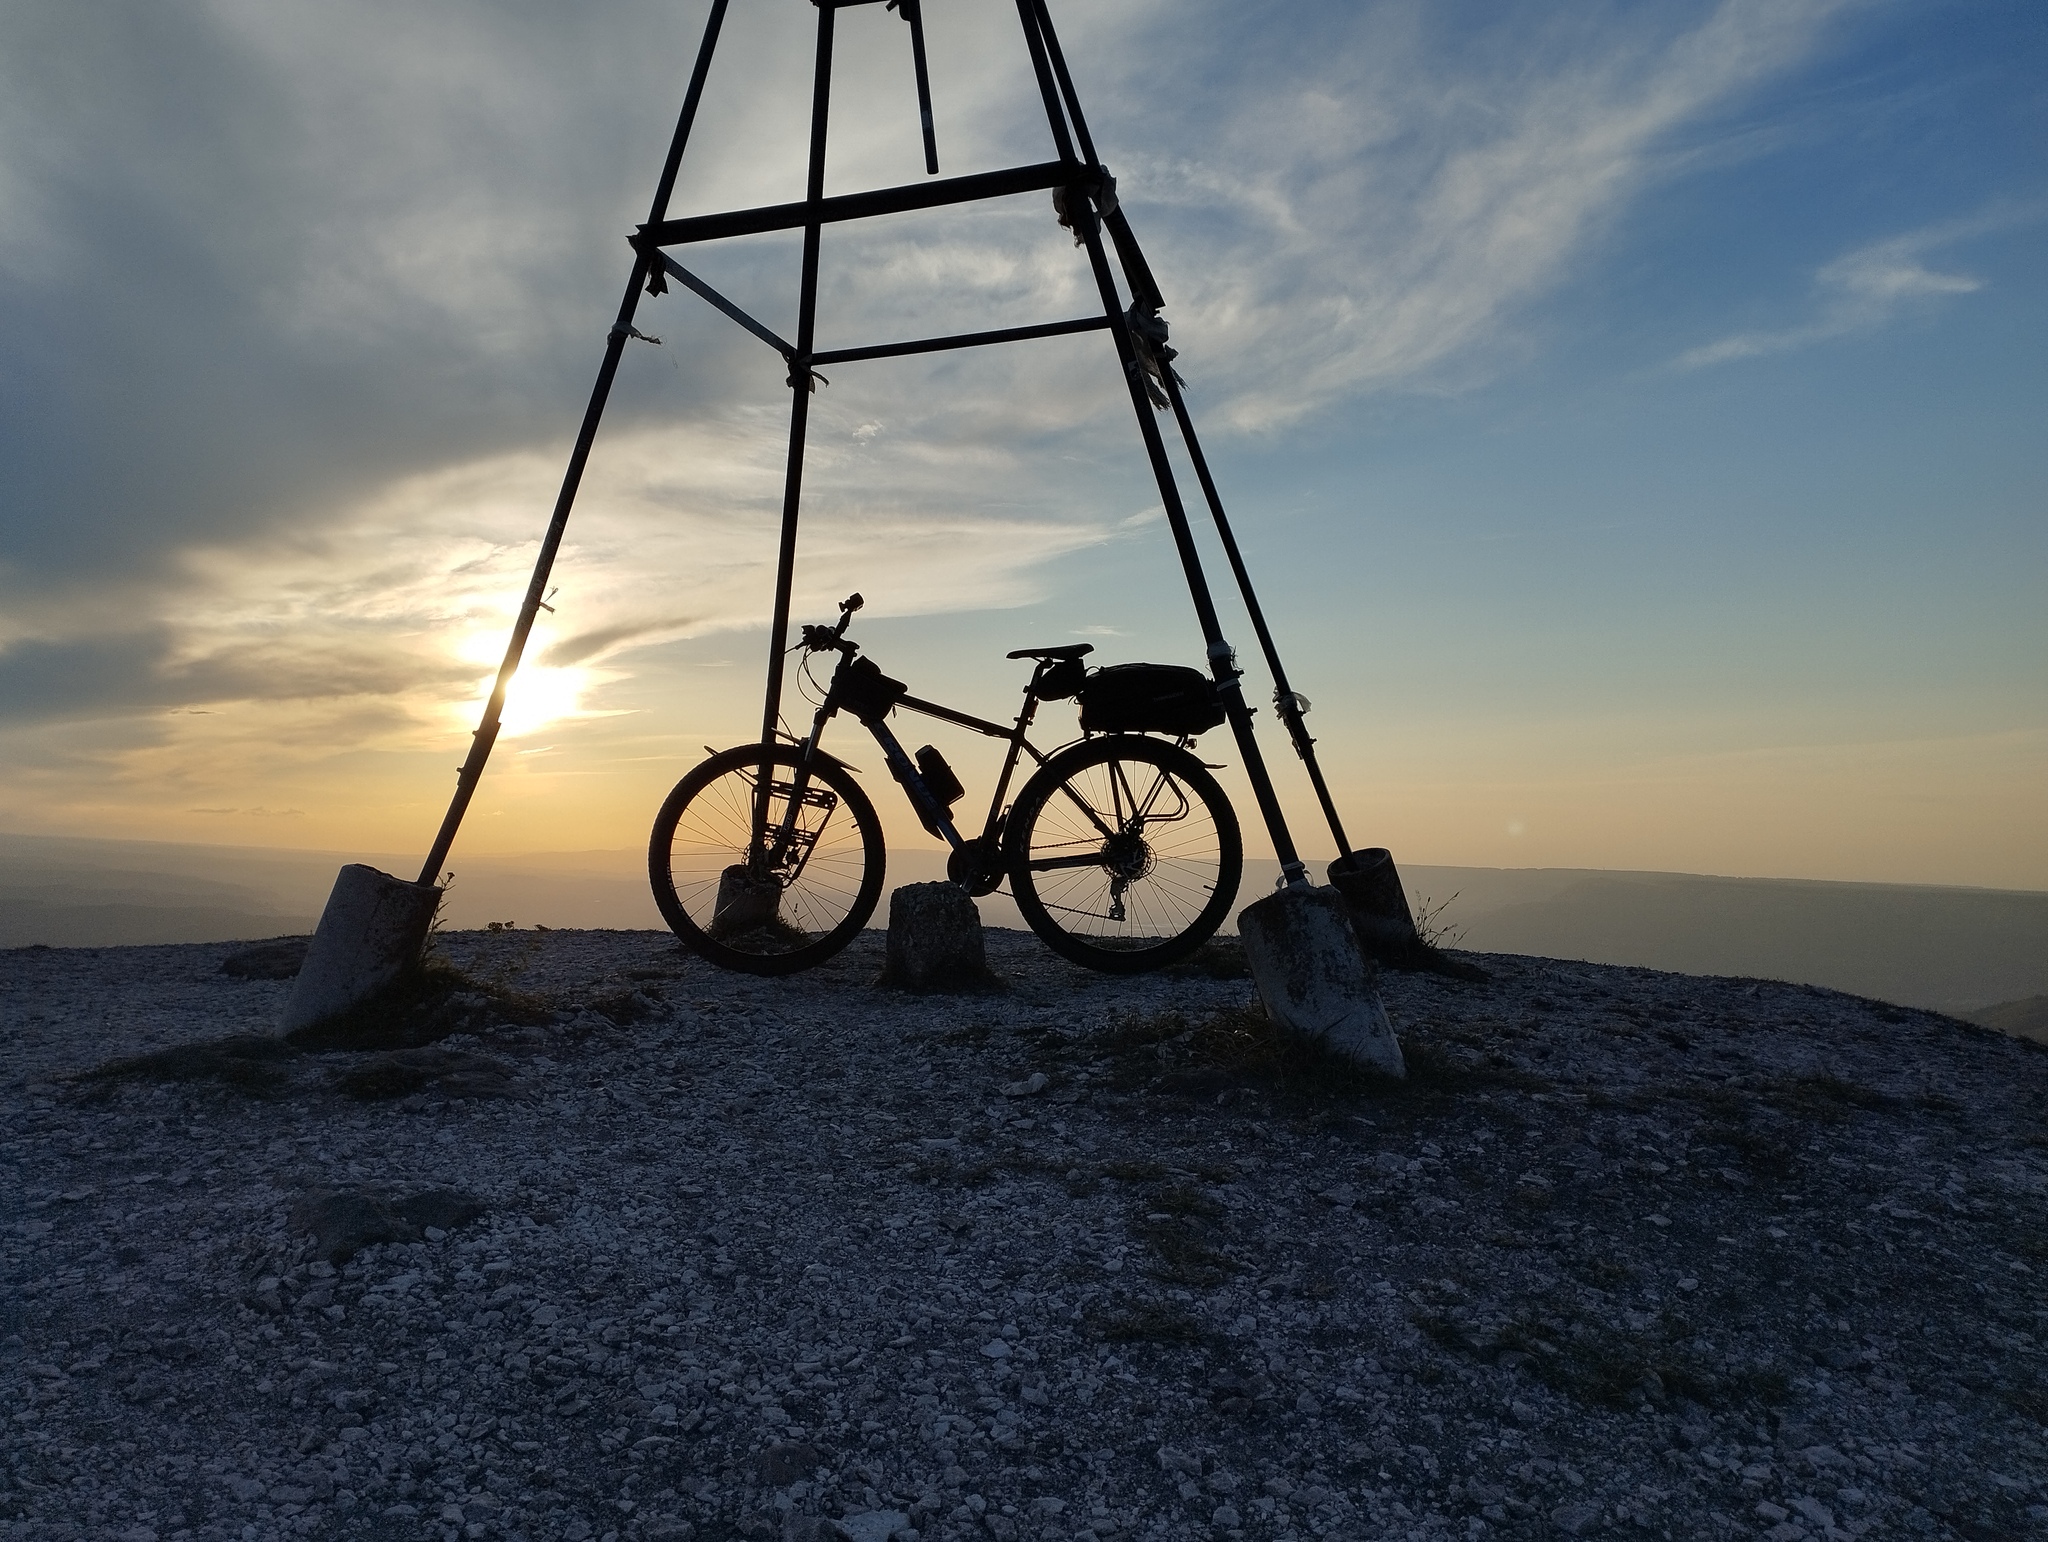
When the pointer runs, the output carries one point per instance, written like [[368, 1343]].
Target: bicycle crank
[[977, 866]]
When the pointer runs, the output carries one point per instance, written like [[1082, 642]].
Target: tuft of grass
[[771, 936], [1432, 930], [627, 1007], [1435, 1068], [1632, 1100], [342, 1222], [2029, 1402], [1220, 958], [425, 1004], [1144, 1322], [1182, 1254], [1606, 1367], [1824, 1098], [1733, 1121], [1233, 1047], [1133, 1032], [1763, 1153], [935, 1169], [1185, 1199], [1238, 1049], [453, 1073], [1178, 1222], [1605, 1271], [1133, 1171], [253, 1064]]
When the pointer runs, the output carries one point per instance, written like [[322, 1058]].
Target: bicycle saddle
[[1063, 651]]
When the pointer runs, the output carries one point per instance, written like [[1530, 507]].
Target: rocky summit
[[591, 1241]]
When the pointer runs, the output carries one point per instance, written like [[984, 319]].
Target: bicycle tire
[[1180, 860], [703, 830]]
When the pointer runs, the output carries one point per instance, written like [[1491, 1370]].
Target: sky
[[1630, 413]]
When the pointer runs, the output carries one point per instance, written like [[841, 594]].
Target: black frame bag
[[1149, 699]]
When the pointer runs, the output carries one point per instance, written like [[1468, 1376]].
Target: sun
[[540, 695]]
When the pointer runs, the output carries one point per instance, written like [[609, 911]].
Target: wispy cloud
[[1865, 289], [301, 302], [1376, 213], [407, 603]]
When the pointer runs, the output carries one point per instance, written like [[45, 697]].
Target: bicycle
[[1121, 851]]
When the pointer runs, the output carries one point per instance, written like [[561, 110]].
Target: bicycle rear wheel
[[1123, 854], [725, 893]]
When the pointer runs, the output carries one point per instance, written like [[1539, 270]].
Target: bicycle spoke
[[1130, 859], [715, 884]]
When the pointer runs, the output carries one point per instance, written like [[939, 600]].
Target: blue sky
[[1631, 415]]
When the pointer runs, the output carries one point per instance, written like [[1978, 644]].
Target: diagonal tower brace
[[1085, 193]]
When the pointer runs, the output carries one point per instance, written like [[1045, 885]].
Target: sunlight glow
[[539, 696]]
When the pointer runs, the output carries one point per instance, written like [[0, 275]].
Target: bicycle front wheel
[[766, 884], [1123, 854]]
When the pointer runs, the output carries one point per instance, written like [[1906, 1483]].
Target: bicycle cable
[[805, 679]]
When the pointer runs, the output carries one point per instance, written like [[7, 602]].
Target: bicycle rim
[[773, 916], [1124, 854]]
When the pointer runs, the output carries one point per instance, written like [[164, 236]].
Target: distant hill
[[75, 892], [1963, 951], [2022, 1019], [119, 925], [75, 905], [1950, 949]]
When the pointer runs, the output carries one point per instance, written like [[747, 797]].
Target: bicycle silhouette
[[1121, 851]]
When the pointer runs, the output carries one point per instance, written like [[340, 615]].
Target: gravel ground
[[671, 1253]]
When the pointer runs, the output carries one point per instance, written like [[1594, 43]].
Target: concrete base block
[[742, 904], [372, 931], [935, 941], [1371, 886], [1313, 977]]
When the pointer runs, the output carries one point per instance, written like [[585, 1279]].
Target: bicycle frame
[[769, 857], [860, 687], [932, 813]]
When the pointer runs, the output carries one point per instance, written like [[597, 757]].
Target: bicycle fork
[[790, 845], [766, 857]]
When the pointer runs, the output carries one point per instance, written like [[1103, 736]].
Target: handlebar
[[826, 639]]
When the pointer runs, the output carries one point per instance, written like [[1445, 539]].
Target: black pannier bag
[[1149, 699]]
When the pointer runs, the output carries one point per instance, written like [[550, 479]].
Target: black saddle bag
[[1149, 699]]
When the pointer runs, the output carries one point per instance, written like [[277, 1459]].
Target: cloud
[[1372, 202], [405, 607], [301, 301], [601, 641], [164, 668], [1865, 289]]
